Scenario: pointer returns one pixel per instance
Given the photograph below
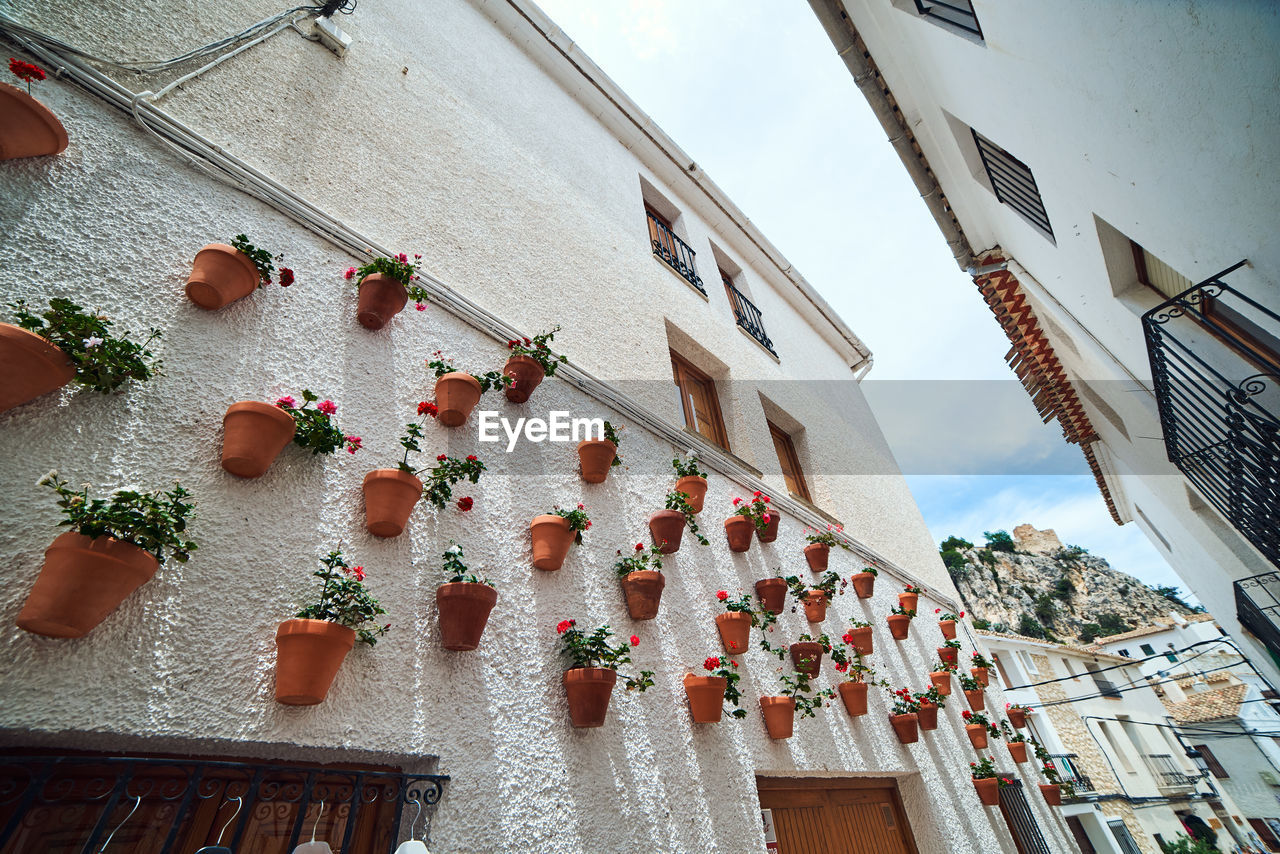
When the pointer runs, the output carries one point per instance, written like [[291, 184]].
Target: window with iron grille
[[1013, 183], [957, 13]]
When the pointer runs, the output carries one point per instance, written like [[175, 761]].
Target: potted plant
[[928, 702], [765, 518], [864, 582], [311, 646], [978, 728], [691, 480], [947, 622], [385, 285], [818, 552], [27, 127], [45, 351], [113, 547], [904, 715], [531, 360], [972, 692], [981, 669], [853, 690], [949, 652], [553, 533], [707, 694], [593, 671], [899, 621], [940, 676], [1056, 788], [667, 526], [780, 709], [985, 781], [222, 274], [1015, 741], [597, 456], [734, 625], [458, 392], [772, 593], [463, 603], [642, 580], [816, 596], [254, 433], [860, 637], [1017, 714], [806, 653], [738, 527], [909, 598]]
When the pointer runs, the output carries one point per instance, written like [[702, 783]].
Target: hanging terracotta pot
[[596, 456], [735, 631], [381, 298], [864, 584], [906, 727], [643, 590], [220, 275], [948, 655], [552, 537], [941, 680], [927, 717], [948, 629], [457, 393], [806, 656], [1017, 718], [464, 608], [589, 690], [863, 640], [815, 606], [526, 375], [1018, 750], [253, 435], [82, 581], [977, 735], [27, 127], [695, 489], [1052, 793], [770, 532], [29, 366], [817, 554], [308, 655], [706, 697], [389, 498], [982, 674], [977, 702], [899, 625], [772, 593], [988, 791], [667, 529], [908, 601], [738, 530], [854, 696], [779, 716]]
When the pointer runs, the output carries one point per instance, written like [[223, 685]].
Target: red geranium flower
[[357, 572], [441, 458], [722, 595], [564, 626], [428, 408], [26, 71], [471, 458], [464, 504], [635, 640], [286, 277], [639, 547], [711, 663]]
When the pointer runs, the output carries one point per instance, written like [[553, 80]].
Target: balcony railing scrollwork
[[674, 251], [749, 317], [1168, 773], [1069, 772]]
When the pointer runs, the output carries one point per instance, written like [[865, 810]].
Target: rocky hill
[[1031, 584]]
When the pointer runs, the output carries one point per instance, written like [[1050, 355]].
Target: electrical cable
[[1127, 663]]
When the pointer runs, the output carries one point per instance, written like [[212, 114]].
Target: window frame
[[681, 367], [1215, 767], [1008, 181], [788, 449]]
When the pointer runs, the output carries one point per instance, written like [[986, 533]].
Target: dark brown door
[[1082, 838], [826, 816]]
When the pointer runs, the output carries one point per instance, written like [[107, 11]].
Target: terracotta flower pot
[[817, 554], [908, 601], [29, 366], [806, 656], [526, 375], [1052, 793], [738, 531], [854, 696], [982, 674], [779, 716], [735, 631], [941, 680], [389, 498], [706, 697], [82, 581], [220, 275], [772, 593], [977, 702], [695, 489], [1018, 750], [815, 606], [457, 393], [253, 435], [770, 532], [308, 655], [906, 727], [864, 584], [899, 625], [595, 456], [948, 655], [464, 608], [948, 629], [552, 537], [988, 791], [927, 717], [27, 127], [667, 529], [863, 640], [589, 690], [381, 298], [1017, 718], [643, 590], [977, 735]]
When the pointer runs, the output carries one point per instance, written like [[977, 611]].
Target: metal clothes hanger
[[137, 802], [219, 848], [413, 846], [314, 847]]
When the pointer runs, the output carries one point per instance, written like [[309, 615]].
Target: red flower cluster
[[441, 458], [349, 274], [514, 341], [286, 277], [428, 408], [25, 70], [639, 547], [564, 626], [635, 640], [711, 663], [847, 637], [464, 504], [722, 595], [356, 572], [842, 666], [471, 458], [966, 714], [354, 443]]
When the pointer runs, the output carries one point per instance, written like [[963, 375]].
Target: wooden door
[[836, 816]]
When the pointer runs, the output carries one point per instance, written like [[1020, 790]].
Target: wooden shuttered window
[[789, 460], [1215, 767], [699, 403]]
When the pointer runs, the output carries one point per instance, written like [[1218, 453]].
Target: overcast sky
[[755, 93]]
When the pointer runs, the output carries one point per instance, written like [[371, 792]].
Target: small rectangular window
[[699, 403], [1215, 767], [1013, 183], [957, 13], [668, 246], [789, 461], [1148, 649]]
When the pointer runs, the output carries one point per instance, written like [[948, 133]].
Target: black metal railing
[[1013, 183], [60, 804], [1168, 773], [958, 13], [1022, 822], [1217, 384], [1258, 607], [674, 251], [749, 317], [1106, 687], [1066, 764]]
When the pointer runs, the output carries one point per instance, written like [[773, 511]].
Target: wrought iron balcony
[[674, 251], [1069, 772], [1258, 608], [1216, 373], [1168, 773], [749, 317]]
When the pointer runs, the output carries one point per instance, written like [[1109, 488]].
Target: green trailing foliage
[[152, 521], [102, 361], [345, 600]]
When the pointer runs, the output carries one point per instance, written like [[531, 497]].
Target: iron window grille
[[957, 13], [674, 251], [1013, 183], [1169, 774], [1258, 608], [1069, 772], [748, 316], [1022, 823]]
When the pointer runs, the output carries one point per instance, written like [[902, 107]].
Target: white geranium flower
[[92, 341], [49, 477]]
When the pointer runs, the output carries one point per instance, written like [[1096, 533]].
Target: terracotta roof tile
[[1209, 705]]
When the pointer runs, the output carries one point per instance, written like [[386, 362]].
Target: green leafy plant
[[398, 267], [345, 600], [902, 700], [858, 624], [826, 538], [611, 435], [981, 720], [757, 510], [984, 769], [727, 669], [1010, 734], [102, 361], [871, 570], [447, 472], [905, 612], [948, 615], [742, 604], [977, 660], [852, 663], [579, 522], [932, 696], [968, 683], [688, 468], [808, 700], [488, 380], [263, 260], [536, 348], [830, 584], [1185, 844], [911, 588], [152, 521], [456, 569], [944, 667], [594, 650], [951, 644], [680, 501], [640, 560], [314, 428]]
